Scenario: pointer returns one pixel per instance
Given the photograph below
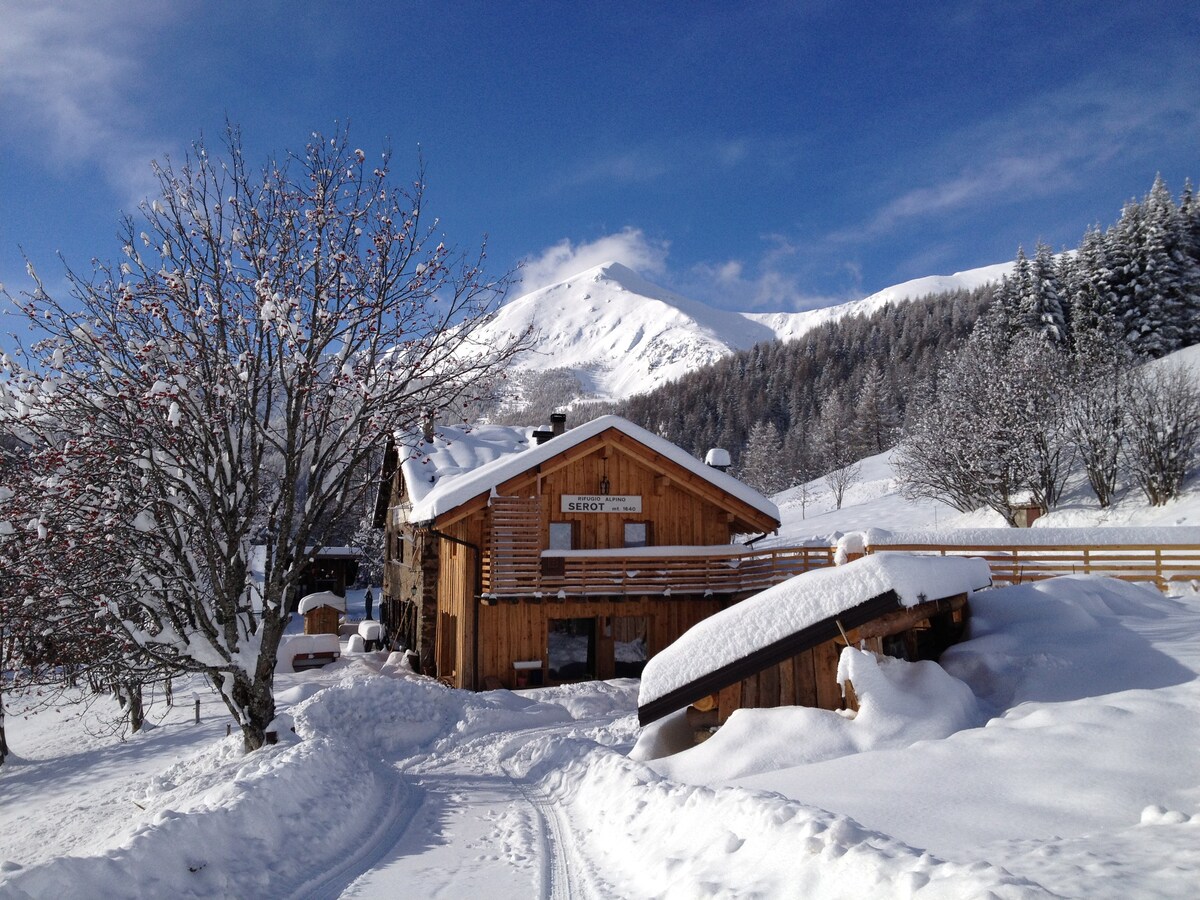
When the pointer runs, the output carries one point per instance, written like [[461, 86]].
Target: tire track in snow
[[393, 820], [561, 879], [565, 872]]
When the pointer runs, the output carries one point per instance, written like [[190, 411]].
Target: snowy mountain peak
[[620, 334]]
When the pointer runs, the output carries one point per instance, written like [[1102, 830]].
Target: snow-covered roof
[[335, 551], [321, 598], [799, 602], [443, 476], [456, 450]]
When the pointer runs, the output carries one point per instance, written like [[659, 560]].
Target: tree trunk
[[3, 740], [137, 710]]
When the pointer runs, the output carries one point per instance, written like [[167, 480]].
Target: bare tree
[[1164, 430], [1096, 411], [992, 430], [227, 380], [836, 447]]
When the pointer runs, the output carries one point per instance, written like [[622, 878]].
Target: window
[[637, 534], [562, 535]]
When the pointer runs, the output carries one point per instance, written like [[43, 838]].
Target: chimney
[[558, 423], [718, 459], [542, 435]]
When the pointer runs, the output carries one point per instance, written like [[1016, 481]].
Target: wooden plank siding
[[511, 632]]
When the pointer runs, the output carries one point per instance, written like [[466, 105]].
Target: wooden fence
[[1017, 563], [551, 576]]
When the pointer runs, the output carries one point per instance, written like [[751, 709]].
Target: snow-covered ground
[[1054, 753]]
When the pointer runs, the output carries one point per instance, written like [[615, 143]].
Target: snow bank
[[802, 601], [1083, 783], [900, 703], [224, 824], [1090, 722], [645, 836]]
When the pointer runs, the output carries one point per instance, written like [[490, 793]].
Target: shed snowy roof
[[800, 602], [463, 463], [322, 598]]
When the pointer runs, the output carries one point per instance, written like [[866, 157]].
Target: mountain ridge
[[620, 334]]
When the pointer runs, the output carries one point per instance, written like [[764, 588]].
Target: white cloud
[[67, 71], [1047, 144], [765, 287], [770, 284], [630, 247]]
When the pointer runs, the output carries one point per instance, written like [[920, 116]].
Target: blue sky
[[771, 155]]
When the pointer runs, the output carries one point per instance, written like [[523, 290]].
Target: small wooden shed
[[321, 612], [781, 647]]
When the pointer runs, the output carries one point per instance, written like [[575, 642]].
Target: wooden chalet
[[520, 557], [782, 647]]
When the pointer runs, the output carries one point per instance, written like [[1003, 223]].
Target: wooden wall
[[677, 514], [509, 632]]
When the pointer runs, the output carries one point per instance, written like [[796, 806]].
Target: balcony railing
[[654, 571]]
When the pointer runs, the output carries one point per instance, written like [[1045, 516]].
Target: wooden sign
[[601, 503]]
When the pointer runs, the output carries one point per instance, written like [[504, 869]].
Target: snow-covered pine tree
[[836, 449], [875, 418], [1089, 306], [801, 461], [1041, 306], [1189, 222], [1169, 261], [1149, 280], [761, 464]]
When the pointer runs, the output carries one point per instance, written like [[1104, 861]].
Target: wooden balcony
[[649, 571]]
